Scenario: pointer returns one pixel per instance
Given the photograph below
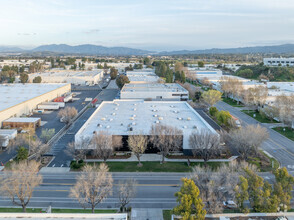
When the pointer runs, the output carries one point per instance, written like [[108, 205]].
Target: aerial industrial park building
[[278, 61], [129, 117], [21, 99], [154, 91], [142, 76], [74, 77]]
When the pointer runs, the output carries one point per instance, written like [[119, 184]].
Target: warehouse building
[[127, 117], [278, 61], [67, 76], [154, 91], [142, 76], [21, 99]]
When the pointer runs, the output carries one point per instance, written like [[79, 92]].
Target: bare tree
[[126, 191], [38, 148], [247, 139], [285, 104], [138, 144], [93, 186], [79, 149], [271, 111], [166, 139], [19, 182], [47, 134], [217, 185], [103, 144], [204, 143], [67, 114]]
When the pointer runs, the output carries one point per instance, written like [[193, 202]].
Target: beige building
[[21, 99]]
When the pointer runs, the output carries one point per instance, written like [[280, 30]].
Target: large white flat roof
[[13, 94], [116, 117], [67, 73], [23, 120], [153, 87]]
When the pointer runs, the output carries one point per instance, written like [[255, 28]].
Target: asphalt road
[[277, 145], [61, 157], [154, 190]]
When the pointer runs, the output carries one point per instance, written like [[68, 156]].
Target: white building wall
[[28, 106]]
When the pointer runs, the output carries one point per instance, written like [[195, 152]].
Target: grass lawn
[[261, 163], [155, 166], [289, 133], [258, 117], [232, 102], [166, 214], [38, 210]]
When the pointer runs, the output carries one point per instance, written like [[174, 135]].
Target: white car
[[230, 204]]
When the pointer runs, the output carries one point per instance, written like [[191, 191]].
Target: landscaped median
[[39, 210], [232, 102], [288, 132], [257, 116]]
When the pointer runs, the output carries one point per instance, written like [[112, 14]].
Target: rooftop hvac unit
[[134, 116], [135, 109], [172, 106], [107, 126], [121, 124], [195, 127], [113, 113], [179, 118], [154, 110], [131, 118], [184, 126], [134, 123], [111, 119], [135, 104], [189, 119], [115, 109], [154, 115], [175, 111], [130, 129], [157, 122], [160, 118], [99, 125], [103, 119]]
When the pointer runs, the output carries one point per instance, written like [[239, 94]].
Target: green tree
[[23, 77], [146, 61], [37, 79], [223, 117], [198, 95], [22, 154], [113, 73], [190, 205], [121, 80], [200, 64], [211, 97], [242, 195], [183, 77], [138, 66], [213, 111], [247, 73], [283, 186]]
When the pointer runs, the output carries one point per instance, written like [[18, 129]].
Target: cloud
[[26, 34], [92, 31]]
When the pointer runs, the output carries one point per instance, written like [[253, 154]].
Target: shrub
[[213, 111], [223, 117], [77, 164]]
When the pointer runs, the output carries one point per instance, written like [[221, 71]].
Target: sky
[[147, 24]]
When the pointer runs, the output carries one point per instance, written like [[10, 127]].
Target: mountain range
[[90, 49]]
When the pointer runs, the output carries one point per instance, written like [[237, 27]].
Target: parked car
[[230, 204]]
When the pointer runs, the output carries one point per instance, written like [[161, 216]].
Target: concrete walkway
[[157, 157], [146, 214]]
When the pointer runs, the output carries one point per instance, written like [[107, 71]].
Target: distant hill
[[89, 49], [280, 49]]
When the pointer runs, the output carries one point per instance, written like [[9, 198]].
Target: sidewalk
[[157, 157], [144, 214]]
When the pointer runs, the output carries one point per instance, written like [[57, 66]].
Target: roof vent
[[134, 116], [99, 125], [157, 122], [111, 119], [135, 109], [160, 118], [135, 104], [175, 111], [195, 127], [121, 124], [172, 106], [189, 119], [131, 118], [154, 115], [154, 110], [134, 123], [103, 119], [113, 113], [116, 109], [107, 126], [184, 126], [180, 118]]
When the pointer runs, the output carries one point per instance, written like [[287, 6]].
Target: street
[[280, 147]]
